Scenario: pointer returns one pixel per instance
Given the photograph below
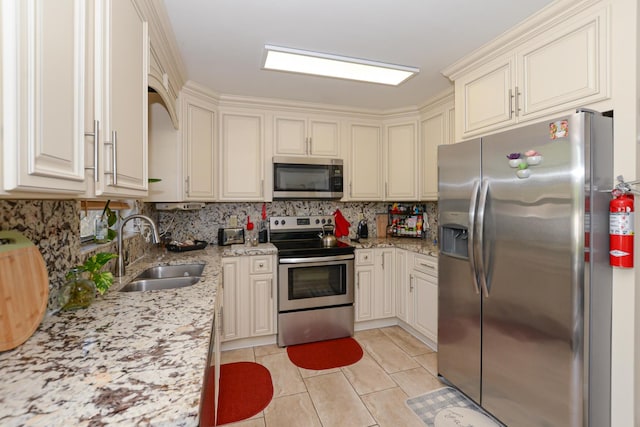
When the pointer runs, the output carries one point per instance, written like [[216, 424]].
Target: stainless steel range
[[315, 283]]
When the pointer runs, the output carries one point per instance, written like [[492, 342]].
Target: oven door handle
[[316, 259]]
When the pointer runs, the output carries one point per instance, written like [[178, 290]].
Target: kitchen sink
[[165, 277], [164, 271], [138, 285]]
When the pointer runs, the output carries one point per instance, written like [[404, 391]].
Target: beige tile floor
[[371, 392]]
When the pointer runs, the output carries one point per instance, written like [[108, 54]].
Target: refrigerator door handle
[[479, 237], [473, 204]]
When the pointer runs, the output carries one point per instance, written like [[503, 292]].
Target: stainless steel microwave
[[307, 178]]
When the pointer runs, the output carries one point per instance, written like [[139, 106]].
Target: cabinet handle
[[386, 188], [427, 265], [96, 152], [310, 146], [411, 283], [114, 158], [517, 102], [186, 185], [510, 104], [271, 284], [262, 188], [222, 321], [358, 280], [261, 265]]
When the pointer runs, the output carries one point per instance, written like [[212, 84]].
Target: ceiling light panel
[[322, 64]]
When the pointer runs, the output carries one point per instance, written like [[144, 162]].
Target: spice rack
[[407, 220]]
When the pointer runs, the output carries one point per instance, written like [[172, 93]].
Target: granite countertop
[[420, 246], [131, 358]]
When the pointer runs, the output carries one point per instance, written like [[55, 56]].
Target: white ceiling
[[222, 43]]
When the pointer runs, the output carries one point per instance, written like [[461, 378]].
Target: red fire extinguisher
[[621, 230]]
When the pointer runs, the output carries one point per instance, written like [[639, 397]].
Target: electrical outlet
[[360, 216], [233, 221]]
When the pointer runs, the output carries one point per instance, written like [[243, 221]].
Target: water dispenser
[[453, 241]]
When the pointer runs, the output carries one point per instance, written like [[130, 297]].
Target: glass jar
[[78, 292], [101, 231]]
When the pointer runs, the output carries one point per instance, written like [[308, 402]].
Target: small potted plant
[[79, 291]]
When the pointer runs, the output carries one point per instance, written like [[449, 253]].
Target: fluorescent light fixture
[[342, 67]]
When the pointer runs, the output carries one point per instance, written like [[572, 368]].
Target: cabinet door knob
[[261, 265]]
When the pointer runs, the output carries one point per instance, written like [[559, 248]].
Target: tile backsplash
[[203, 224], [54, 226]]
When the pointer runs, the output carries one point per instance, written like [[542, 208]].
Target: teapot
[[329, 240]]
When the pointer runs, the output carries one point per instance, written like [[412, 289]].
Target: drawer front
[[364, 257], [425, 264], [260, 264]]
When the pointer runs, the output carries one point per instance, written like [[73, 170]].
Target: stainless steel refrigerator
[[524, 315]]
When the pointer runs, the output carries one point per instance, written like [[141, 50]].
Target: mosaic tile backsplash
[[54, 226], [203, 224]]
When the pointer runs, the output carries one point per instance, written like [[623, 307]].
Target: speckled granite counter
[[132, 358], [414, 245]]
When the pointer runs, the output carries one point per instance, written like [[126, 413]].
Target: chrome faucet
[[155, 238]]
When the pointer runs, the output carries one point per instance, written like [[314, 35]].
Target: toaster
[[230, 236]]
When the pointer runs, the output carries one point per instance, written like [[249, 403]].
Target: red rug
[[245, 390], [325, 354]]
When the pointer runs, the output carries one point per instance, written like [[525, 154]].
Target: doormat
[[325, 354], [245, 390], [447, 407]]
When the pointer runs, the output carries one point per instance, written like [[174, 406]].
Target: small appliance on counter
[[362, 231], [230, 236]]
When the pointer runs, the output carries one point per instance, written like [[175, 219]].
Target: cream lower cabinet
[[43, 74], [423, 295], [565, 65], [402, 285], [301, 136], [374, 287], [249, 301], [241, 162]]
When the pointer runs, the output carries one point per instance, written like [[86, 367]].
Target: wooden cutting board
[[24, 289]]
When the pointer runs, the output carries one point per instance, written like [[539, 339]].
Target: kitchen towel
[[342, 225]]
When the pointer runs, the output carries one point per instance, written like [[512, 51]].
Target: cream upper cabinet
[[121, 51], [401, 161], [436, 128], [184, 160], [198, 133], [43, 72], [562, 63], [241, 156], [486, 96], [298, 136], [366, 177]]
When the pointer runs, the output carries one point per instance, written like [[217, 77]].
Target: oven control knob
[[276, 222], [283, 221], [329, 221], [324, 220], [317, 221]]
